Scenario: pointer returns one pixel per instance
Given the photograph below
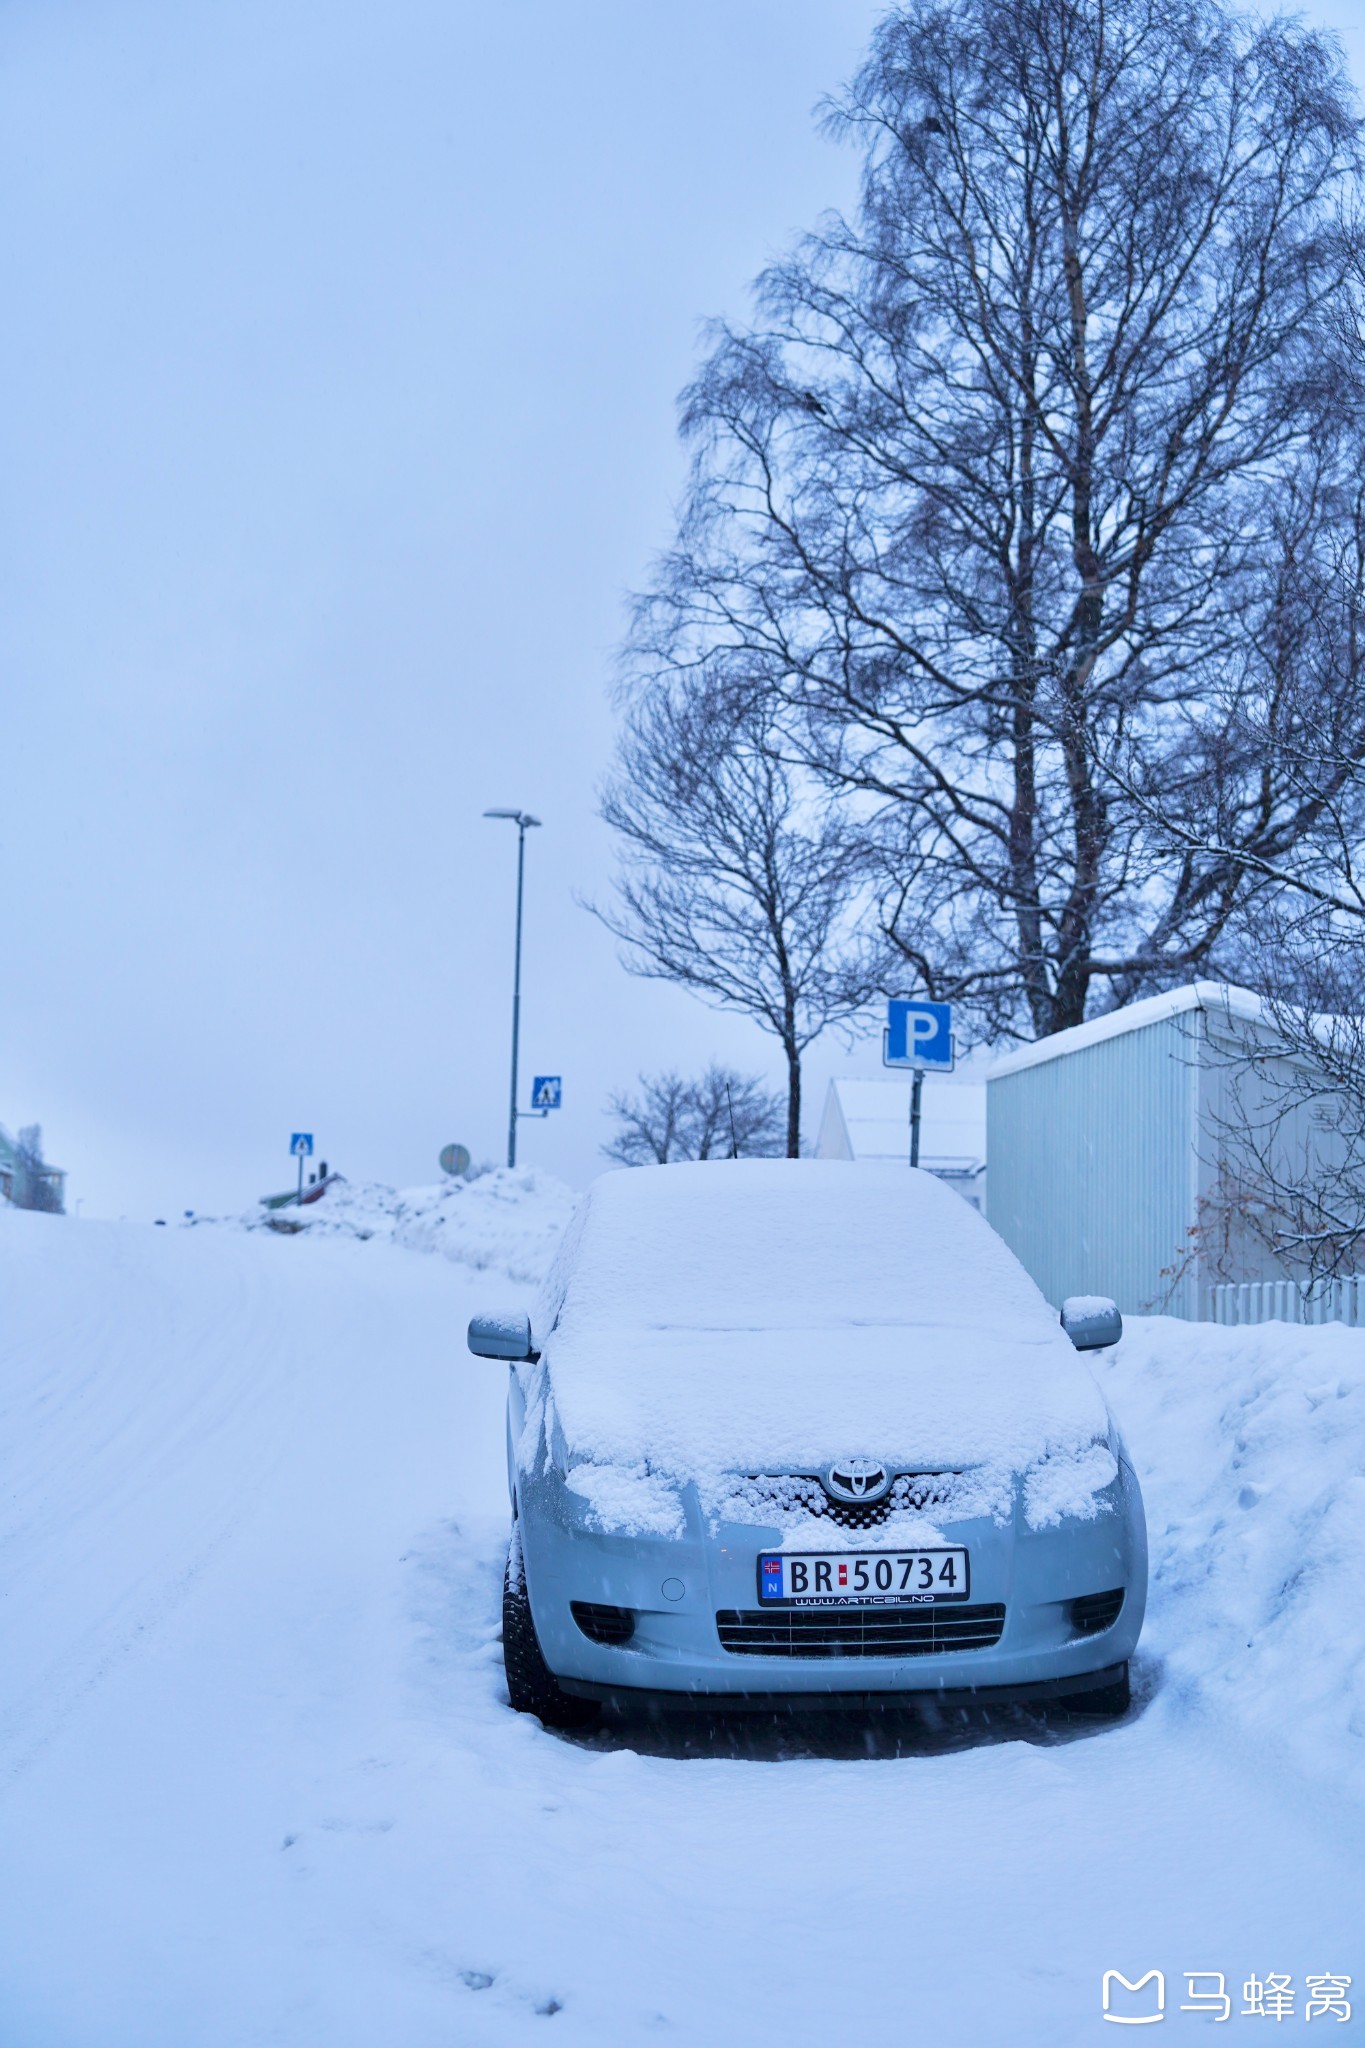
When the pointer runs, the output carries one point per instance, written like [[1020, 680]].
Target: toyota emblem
[[860, 1480]]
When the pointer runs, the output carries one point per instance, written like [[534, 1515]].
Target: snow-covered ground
[[259, 1783]]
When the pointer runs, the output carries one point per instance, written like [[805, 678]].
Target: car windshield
[[777, 1244]]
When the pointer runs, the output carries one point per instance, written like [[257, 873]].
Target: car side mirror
[[502, 1337], [1091, 1321]]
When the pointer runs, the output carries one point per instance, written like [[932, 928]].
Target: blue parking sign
[[919, 1035]]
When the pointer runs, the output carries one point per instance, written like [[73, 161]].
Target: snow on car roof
[[776, 1244]]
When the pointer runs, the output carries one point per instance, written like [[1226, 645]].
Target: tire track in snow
[[133, 1419]]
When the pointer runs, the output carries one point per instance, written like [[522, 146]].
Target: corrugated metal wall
[[1092, 1166]]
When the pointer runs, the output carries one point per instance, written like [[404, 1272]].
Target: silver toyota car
[[804, 1433]]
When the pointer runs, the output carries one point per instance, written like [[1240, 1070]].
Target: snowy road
[[258, 1783]]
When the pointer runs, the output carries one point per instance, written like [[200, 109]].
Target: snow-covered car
[[805, 1433]]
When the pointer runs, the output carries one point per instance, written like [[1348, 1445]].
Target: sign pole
[[516, 999], [300, 1148], [918, 1035], [523, 821]]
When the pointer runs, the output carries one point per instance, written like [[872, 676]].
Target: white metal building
[[1106, 1149], [870, 1119]]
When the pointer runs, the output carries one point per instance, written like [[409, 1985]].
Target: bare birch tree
[[983, 497], [736, 879]]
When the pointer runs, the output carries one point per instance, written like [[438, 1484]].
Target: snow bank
[[509, 1221], [1250, 1445]]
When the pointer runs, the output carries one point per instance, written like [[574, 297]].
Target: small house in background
[[1110, 1149], [27, 1181], [871, 1120]]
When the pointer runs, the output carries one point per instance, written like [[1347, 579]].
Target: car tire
[[1104, 1703], [531, 1685]]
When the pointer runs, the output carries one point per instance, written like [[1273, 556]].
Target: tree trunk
[[793, 1102]]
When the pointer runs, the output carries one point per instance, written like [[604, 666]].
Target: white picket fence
[[1291, 1301]]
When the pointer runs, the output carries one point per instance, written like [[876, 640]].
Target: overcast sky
[[339, 362]]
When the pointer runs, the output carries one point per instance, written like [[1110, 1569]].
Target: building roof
[[874, 1119], [1198, 995]]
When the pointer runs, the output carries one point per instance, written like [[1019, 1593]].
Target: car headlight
[[1066, 1486], [626, 1500]]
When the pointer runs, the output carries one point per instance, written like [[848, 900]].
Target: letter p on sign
[[919, 1035]]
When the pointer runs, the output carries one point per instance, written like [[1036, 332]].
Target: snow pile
[[508, 1221], [1250, 1445], [634, 1500], [763, 1316]]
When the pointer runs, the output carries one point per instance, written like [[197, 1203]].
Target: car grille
[[1093, 1613], [603, 1624], [859, 1631], [802, 1493]]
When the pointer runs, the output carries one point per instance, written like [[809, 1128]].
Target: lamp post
[[523, 822]]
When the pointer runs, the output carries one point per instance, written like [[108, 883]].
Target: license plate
[[862, 1578]]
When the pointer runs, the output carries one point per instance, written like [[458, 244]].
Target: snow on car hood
[[693, 1406], [768, 1316]]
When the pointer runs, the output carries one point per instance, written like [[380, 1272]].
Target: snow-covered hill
[[258, 1779], [506, 1221]]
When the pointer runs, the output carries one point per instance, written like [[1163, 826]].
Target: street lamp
[[523, 822]]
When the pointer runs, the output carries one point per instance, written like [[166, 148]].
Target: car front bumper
[[674, 1588]]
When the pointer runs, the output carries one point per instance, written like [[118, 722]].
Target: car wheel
[[1105, 1703], [531, 1685]]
